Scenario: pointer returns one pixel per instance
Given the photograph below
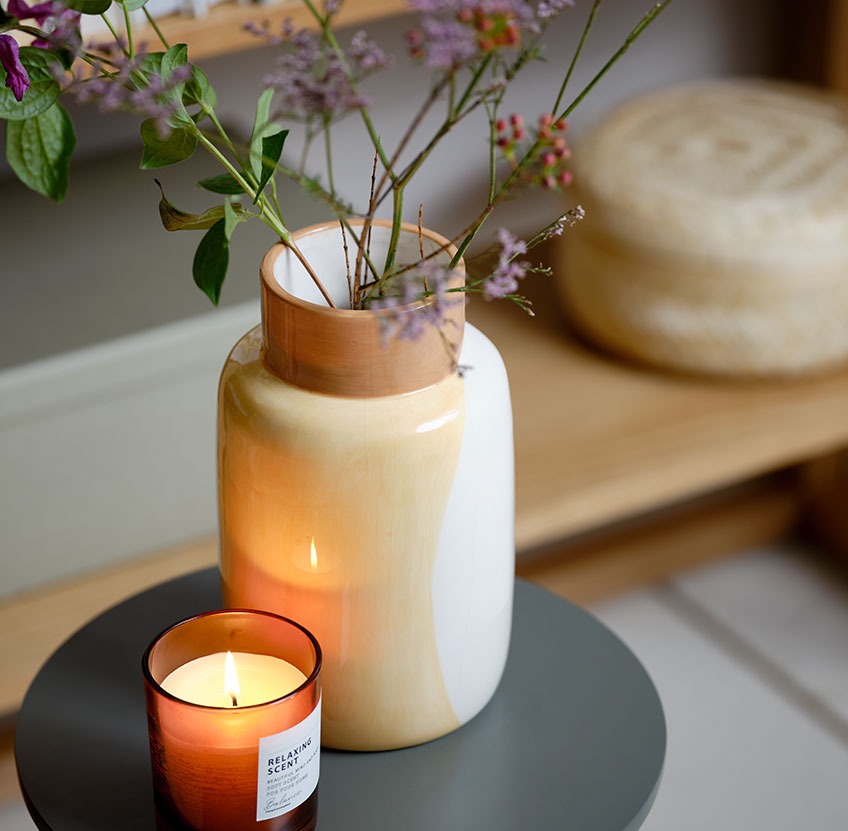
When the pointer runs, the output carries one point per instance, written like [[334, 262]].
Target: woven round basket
[[716, 235]]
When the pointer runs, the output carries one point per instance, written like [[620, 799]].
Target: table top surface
[[574, 736]]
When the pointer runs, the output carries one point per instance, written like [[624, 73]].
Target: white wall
[[110, 353]]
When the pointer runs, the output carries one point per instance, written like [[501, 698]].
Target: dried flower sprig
[[472, 50], [439, 287]]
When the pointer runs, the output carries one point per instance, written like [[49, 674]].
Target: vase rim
[[268, 275], [341, 351]]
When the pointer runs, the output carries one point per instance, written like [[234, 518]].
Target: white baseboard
[[109, 451]]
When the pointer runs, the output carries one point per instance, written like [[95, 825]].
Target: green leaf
[[272, 147], [198, 90], [160, 151], [66, 57], [232, 217], [39, 151], [132, 5], [211, 260], [88, 6], [262, 127], [173, 219], [224, 183], [176, 56], [151, 62], [163, 65], [43, 87]]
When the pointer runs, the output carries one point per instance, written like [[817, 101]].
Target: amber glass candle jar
[[234, 714]]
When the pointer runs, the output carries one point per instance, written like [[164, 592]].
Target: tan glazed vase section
[[297, 466]]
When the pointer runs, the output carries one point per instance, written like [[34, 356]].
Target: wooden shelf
[[599, 440], [222, 30]]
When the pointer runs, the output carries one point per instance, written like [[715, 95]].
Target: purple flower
[[262, 30], [153, 100], [17, 79], [39, 13], [312, 81], [420, 299], [61, 31], [569, 219], [551, 8], [504, 279], [118, 86], [443, 44], [511, 247], [366, 54], [61, 25], [453, 33]]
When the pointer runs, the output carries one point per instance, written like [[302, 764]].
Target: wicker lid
[[743, 170]]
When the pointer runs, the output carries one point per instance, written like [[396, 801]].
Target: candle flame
[[231, 682], [313, 556]]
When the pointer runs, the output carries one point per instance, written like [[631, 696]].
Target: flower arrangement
[[471, 50]]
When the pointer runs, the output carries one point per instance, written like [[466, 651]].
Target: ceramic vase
[[366, 491]]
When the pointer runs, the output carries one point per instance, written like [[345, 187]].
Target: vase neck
[[346, 352]]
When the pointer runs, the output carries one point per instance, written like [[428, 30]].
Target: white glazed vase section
[[473, 580]]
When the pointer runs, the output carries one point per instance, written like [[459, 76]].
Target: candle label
[[288, 767]]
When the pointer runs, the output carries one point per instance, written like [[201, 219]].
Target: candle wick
[[235, 700]]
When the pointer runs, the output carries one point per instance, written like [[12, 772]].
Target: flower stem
[[22, 27], [328, 34], [213, 117], [267, 215], [328, 155], [472, 229], [472, 84], [129, 28], [493, 116], [637, 30], [451, 120], [397, 215], [576, 56], [153, 25], [112, 30], [407, 137]]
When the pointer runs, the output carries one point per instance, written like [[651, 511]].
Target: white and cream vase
[[366, 491]]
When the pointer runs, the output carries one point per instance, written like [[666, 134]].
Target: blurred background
[[701, 519]]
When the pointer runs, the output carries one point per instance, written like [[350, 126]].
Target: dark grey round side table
[[574, 738]]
